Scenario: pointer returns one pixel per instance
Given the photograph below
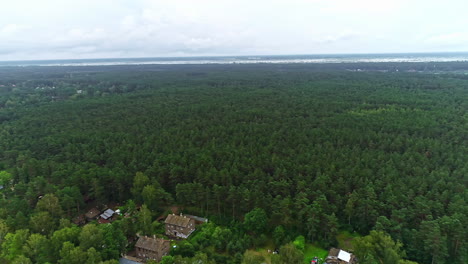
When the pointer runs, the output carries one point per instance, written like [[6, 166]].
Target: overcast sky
[[73, 29]]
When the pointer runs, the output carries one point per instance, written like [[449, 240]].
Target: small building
[[106, 217], [92, 214], [179, 226], [338, 256], [107, 214], [152, 248]]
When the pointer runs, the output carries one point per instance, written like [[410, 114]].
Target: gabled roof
[[149, 243], [107, 214], [177, 220]]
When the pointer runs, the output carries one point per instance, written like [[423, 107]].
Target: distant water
[[341, 58]]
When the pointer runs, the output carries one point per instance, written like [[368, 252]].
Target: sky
[[79, 29]]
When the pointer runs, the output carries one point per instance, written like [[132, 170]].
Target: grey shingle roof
[[152, 244], [177, 220]]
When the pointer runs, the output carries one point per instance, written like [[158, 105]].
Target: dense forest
[[269, 153]]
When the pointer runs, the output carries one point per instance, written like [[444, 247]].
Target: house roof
[[107, 214], [92, 213], [177, 220], [343, 255], [149, 243], [336, 255]]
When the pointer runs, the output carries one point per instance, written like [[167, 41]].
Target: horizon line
[[251, 55]]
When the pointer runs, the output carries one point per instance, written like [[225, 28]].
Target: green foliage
[[298, 149], [312, 251], [21, 260], [155, 197], [3, 230], [109, 262], [72, 255], [256, 221], [378, 247], [345, 240], [404, 261], [200, 258], [145, 220], [13, 244], [150, 197], [167, 260], [290, 254], [252, 257], [113, 242], [68, 234], [139, 182], [185, 249], [42, 222], [299, 243], [37, 248], [93, 256], [280, 236], [71, 198], [91, 236], [49, 203], [5, 178]]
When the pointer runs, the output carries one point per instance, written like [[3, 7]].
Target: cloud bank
[[53, 29]]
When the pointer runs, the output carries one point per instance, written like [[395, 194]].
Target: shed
[[107, 214], [345, 256], [339, 256]]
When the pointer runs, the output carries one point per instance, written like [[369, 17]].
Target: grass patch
[[264, 253], [311, 251], [345, 240]]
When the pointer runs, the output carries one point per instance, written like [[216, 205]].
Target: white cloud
[[129, 28]]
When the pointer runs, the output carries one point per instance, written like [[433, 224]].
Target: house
[[338, 256], [179, 226], [92, 214], [152, 248]]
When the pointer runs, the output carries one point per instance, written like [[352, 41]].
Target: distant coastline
[[252, 59]]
